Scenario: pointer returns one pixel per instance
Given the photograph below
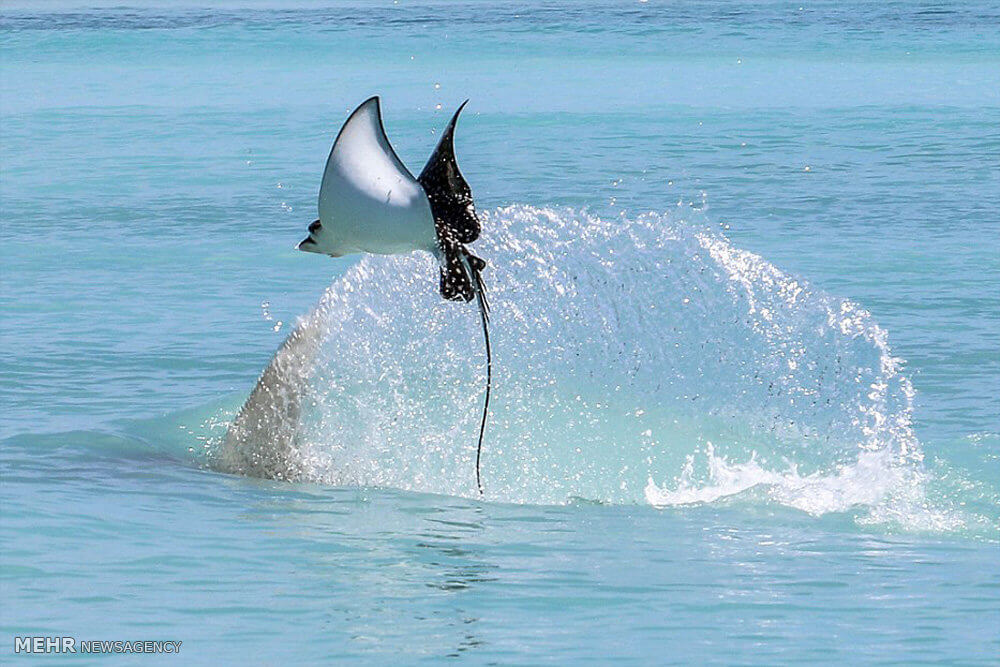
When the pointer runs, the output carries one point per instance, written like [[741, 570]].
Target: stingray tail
[[462, 280], [484, 316]]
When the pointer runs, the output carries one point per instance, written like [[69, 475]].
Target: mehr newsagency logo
[[74, 645]]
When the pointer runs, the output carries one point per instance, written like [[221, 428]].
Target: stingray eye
[[315, 225]]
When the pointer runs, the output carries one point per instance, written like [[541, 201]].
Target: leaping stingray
[[368, 202]]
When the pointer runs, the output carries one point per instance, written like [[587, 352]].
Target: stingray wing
[[363, 170], [448, 191]]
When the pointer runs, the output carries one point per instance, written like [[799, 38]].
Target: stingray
[[369, 202]]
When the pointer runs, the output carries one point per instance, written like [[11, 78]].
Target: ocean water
[[745, 275]]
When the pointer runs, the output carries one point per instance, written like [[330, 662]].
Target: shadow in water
[[379, 561]]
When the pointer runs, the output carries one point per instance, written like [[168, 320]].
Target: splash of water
[[643, 360]]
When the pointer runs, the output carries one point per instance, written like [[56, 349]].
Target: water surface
[[833, 164]]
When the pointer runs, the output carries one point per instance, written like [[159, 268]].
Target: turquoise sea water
[[746, 285]]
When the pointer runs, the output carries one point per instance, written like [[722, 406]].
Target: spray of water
[[635, 360]]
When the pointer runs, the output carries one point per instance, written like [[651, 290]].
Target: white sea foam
[[883, 490]]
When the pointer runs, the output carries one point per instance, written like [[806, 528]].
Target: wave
[[643, 360]]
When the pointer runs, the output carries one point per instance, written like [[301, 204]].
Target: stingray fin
[[461, 274], [448, 191], [364, 179], [456, 284]]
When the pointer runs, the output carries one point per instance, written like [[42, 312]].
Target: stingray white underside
[[369, 201]]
